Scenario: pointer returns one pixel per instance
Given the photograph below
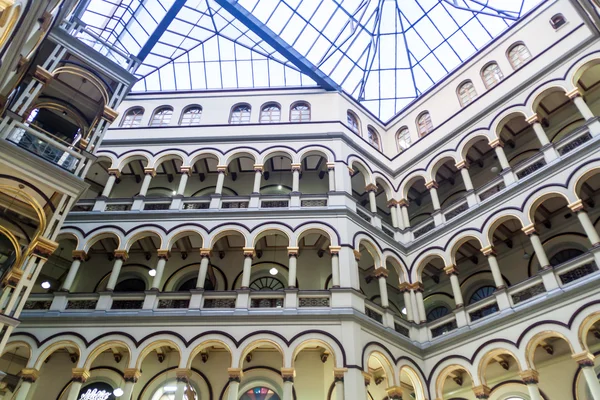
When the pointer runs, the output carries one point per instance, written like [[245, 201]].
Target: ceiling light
[[404, 311], [152, 272], [494, 169], [273, 271], [174, 192], [525, 256], [45, 285], [118, 392], [279, 187]]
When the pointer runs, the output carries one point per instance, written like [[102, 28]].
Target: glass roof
[[384, 53]]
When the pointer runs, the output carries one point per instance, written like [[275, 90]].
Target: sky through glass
[[384, 53]]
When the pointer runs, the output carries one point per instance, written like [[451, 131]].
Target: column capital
[[80, 255], [235, 374], [335, 250], [44, 247], [42, 75], [163, 253], [451, 270], [404, 287], [417, 287], [380, 272], [573, 93], [577, 206], [121, 255], [13, 277], [249, 252], [394, 393], [293, 251], [488, 251], [330, 165], [114, 172], [350, 171], [150, 171], [356, 255], [392, 203], [482, 392], [204, 252], [464, 164], [183, 375], [80, 375], [222, 169], [132, 375], [371, 187], [29, 375], [287, 374], [585, 359], [530, 376], [185, 170], [403, 203], [367, 378], [431, 184], [296, 167], [259, 168], [533, 119], [529, 229], [496, 143], [338, 374]]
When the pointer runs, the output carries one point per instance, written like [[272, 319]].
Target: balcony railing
[[529, 166], [526, 290], [573, 141], [442, 326], [455, 209], [423, 227], [488, 190], [482, 309], [576, 268]]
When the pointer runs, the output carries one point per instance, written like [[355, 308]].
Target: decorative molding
[[573, 93], [431, 184], [394, 393], [132, 375], [44, 247], [296, 167], [356, 255], [235, 374], [338, 374], [404, 287], [482, 392], [186, 170], [532, 120], [109, 114], [150, 171], [293, 251], [380, 272], [114, 171], [13, 277], [287, 374], [367, 378], [204, 252], [488, 251], [451, 270], [80, 375], [330, 166], [42, 75], [577, 206], [529, 229], [259, 168], [584, 359], [121, 255], [80, 255], [392, 203], [371, 187], [249, 252], [163, 253], [335, 250], [462, 164], [222, 169], [496, 143], [183, 375], [29, 375], [530, 377]]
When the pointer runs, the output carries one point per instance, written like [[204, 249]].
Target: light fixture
[[404, 311], [152, 272], [494, 169], [174, 192], [525, 256], [45, 285], [170, 389], [279, 187], [273, 271], [118, 392]]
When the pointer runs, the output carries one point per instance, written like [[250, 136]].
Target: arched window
[[403, 139], [564, 256], [518, 55], [482, 293], [557, 21], [270, 113], [240, 114], [162, 116], [300, 112], [424, 124], [260, 393], [131, 285], [353, 122], [191, 116], [437, 313], [466, 93], [374, 138], [491, 75], [267, 283], [132, 118]]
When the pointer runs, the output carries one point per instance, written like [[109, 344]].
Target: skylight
[[384, 53]]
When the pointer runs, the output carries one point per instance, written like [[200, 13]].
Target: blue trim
[[161, 29]]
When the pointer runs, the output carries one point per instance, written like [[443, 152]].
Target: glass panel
[[300, 113], [162, 117], [424, 124], [403, 138], [492, 75], [270, 114], [466, 93], [353, 122], [191, 116], [240, 115], [133, 118], [518, 55]]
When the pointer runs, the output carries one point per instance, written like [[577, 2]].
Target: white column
[[432, 186], [131, 376], [400, 217], [419, 300], [235, 377], [393, 211], [287, 375], [248, 255], [79, 377], [110, 183], [296, 178], [538, 129], [292, 265], [331, 176], [381, 274], [581, 105], [204, 261], [120, 257], [149, 173], [403, 204], [28, 378], [163, 256], [537, 246], [531, 378], [453, 272], [464, 173], [258, 169], [335, 266], [221, 169], [78, 257], [185, 173], [586, 223], [404, 288], [498, 145], [338, 379], [371, 189], [494, 267], [183, 379]]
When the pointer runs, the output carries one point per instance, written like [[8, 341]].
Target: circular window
[[260, 393], [437, 313]]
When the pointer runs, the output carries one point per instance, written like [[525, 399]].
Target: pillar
[[149, 173], [490, 253], [394, 393], [498, 147], [113, 174], [586, 362], [381, 274], [222, 170], [432, 187], [248, 256], [590, 231], [130, 376], [335, 265], [531, 378], [28, 378], [185, 174], [296, 177], [405, 290], [537, 246], [463, 167], [393, 211], [538, 129], [292, 265], [403, 204], [418, 292], [338, 379], [120, 257], [204, 261], [399, 216], [367, 380], [287, 374], [452, 271], [258, 170], [482, 392], [235, 377], [79, 256], [80, 376], [163, 256], [183, 380], [331, 175], [581, 105], [371, 189]]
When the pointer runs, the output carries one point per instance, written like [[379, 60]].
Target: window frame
[[398, 132], [158, 110], [296, 104], [185, 112], [241, 120], [482, 74], [554, 25], [428, 127], [262, 110], [522, 62], [469, 100], [372, 131], [352, 114], [129, 111]]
